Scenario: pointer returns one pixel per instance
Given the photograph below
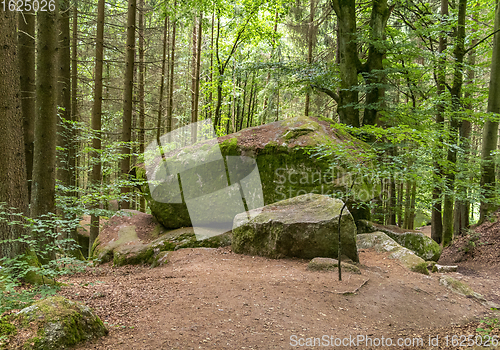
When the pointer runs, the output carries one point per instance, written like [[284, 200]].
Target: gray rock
[[425, 247], [383, 243], [443, 268], [57, 323], [329, 264], [285, 169], [305, 227]]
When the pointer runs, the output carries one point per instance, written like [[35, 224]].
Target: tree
[[26, 37], [96, 117], [44, 155], [128, 90], [490, 130], [13, 188]]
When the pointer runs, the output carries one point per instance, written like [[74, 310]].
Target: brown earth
[[215, 299]]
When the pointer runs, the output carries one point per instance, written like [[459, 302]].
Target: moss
[[421, 268], [229, 147], [6, 328]]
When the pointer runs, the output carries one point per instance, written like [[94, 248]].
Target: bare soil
[[216, 299]]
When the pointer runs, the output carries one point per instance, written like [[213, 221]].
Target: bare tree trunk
[[96, 118], [142, 73], [162, 82], [455, 123], [195, 80], [171, 76], [74, 101], [44, 156], [490, 131], [13, 189], [310, 44], [26, 37], [437, 192], [128, 89]]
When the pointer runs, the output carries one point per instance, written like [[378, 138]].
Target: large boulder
[[281, 153], [133, 237], [425, 247], [305, 226], [383, 243], [54, 323]]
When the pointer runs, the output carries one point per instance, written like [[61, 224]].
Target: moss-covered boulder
[[460, 287], [425, 247], [281, 151], [383, 243], [305, 227], [54, 323], [132, 237]]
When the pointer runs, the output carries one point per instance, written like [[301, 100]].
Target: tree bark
[[456, 97], [171, 77], [44, 155], [26, 42], [162, 81], [142, 74], [490, 130], [437, 192], [13, 189], [128, 92]]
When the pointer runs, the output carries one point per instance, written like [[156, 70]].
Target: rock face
[[279, 152], [425, 247], [328, 264], [305, 227], [383, 243], [133, 237], [57, 323]]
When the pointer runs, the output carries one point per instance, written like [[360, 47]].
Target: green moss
[[421, 268], [6, 328], [229, 147]]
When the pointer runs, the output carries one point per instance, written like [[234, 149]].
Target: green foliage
[[489, 325], [16, 271]]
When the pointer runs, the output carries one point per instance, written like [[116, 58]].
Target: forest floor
[[216, 299]]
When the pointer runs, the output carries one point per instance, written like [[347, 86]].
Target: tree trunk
[[74, 101], [310, 37], [490, 130], [44, 155], [195, 81], [171, 77], [26, 37], [162, 82], [13, 189], [437, 192], [456, 97], [349, 62], [96, 117], [142, 73], [128, 88]]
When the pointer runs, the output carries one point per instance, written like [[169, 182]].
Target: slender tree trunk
[[195, 81], [310, 44], [96, 118], [26, 36], [74, 101], [437, 192], [490, 130], [171, 76], [127, 99], [210, 96], [44, 156], [162, 82], [13, 189], [142, 74], [456, 97]]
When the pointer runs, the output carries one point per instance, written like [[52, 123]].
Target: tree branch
[[480, 42], [329, 92]]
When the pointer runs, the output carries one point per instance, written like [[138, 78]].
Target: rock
[[425, 247], [133, 237], [279, 152], [57, 323], [443, 268], [383, 243], [328, 264], [305, 227], [83, 233], [460, 287]]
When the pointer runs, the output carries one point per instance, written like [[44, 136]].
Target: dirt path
[[215, 299]]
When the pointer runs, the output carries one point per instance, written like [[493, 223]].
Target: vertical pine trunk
[[162, 82], [171, 76], [142, 74], [13, 189], [128, 89], [455, 123], [74, 101], [310, 45], [437, 193], [44, 155], [96, 118], [26, 42]]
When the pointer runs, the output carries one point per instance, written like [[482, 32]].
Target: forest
[[87, 85]]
